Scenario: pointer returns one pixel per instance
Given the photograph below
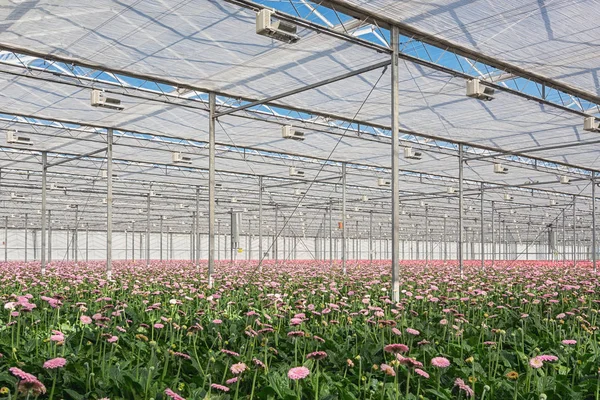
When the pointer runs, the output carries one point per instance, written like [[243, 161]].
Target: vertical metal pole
[[564, 243], [357, 240], [6, 238], [493, 236], [192, 242], [211, 188], [395, 167], [197, 228], [249, 245], [133, 241], [49, 258], [141, 246], [276, 236], [283, 254], [574, 229], [344, 218], [445, 242], [76, 236], [148, 230], [594, 222], [161, 238], [171, 246], [371, 237], [460, 209], [109, 199], [87, 244], [26, 227], [426, 236], [330, 234], [260, 223], [481, 233], [44, 169]]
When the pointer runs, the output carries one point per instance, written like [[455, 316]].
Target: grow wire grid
[[162, 60]]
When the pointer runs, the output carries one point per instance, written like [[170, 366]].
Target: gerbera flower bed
[[298, 330]]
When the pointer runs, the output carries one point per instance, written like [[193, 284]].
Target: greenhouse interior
[[269, 199]]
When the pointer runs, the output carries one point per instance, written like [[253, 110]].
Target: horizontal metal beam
[[434, 40], [306, 88], [73, 158], [313, 112]]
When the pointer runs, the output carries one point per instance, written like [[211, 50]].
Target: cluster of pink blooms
[[538, 361], [367, 303], [28, 383], [464, 387], [297, 373], [54, 363]]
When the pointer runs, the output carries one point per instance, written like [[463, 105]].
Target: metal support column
[[49, 212], [26, 234], [87, 243], [593, 222], [161, 238], [330, 234], [148, 230], [481, 233], [344, 218], [356, 242], [6, 238], [43, 232], [109, 199], [564, 243], [197, 229], [493, 236], [276, 237], [445, 241], [132, 241], [460, 209], [211, 188], [426, 236], [261, 255], [395, 166], [371, 237], [76, 236], [574, 230]]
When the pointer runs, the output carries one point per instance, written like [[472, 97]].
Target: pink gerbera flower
[[388, 370], [54, 363], [229, 352], [298, 373], [569, 342], [219, 387], [316, 355], [173, 395], [440, 362], [85, 320], [396, 348], [422, 373], [28, 383], [412, 331], [536, 363], [238, 368], [547, 358], [464, 387]]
